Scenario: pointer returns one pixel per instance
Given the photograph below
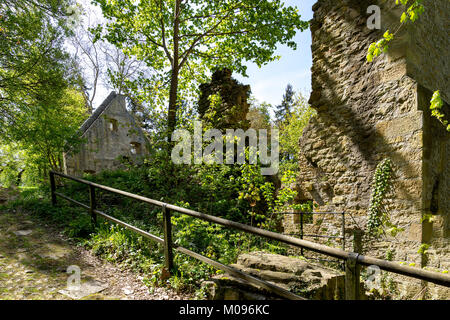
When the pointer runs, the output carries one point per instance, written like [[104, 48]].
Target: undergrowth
[[127, 249]]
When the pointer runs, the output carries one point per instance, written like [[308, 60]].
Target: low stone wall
[[301, 277]]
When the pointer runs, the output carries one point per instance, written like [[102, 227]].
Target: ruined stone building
[[234, 107], [111, 137], [367, 112]]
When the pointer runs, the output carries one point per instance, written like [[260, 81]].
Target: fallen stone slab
[[23, 232], [306, 279], [85, 289]]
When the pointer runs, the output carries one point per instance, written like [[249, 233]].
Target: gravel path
[[34, 258]]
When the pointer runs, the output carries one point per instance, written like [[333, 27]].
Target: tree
[[39, 109], [101, 63], [41, 135], [284, 110], [259, 115], [182, 40], [89, 63], [34, 68]]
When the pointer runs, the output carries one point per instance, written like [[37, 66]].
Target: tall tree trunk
[[173, 103], [19, 177]]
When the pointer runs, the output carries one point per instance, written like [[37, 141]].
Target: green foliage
[[427, 217], [34, 68], [11, 164], [423, 249], [40, 111], [284, 110], [39, 137], [381, 184], [223, 102], [379, 47], [413, 11], [291, 129], [390, 254]]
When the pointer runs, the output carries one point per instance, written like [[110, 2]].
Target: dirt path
[[34, 258]]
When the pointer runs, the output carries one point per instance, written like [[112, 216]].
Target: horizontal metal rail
[[322, 236], [433, 277], [316, 236], [311, 212]]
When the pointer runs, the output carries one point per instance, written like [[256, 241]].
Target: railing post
[[93, 205], [168, 251], [53, 187], [343, 231], [352, 275], [301, 231], [357, 241], [343, 237]]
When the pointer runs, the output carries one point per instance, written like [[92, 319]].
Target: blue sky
[[268, 83]]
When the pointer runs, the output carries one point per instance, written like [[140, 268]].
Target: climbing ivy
[[377, 217]]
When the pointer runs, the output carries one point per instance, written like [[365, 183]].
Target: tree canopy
[[33, 64], [39, 109], [183, 40]]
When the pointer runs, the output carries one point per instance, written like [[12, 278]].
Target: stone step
[[274, 262], [281, 279], [298, 276]]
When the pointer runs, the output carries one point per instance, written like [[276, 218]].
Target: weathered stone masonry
[[111, 136], [370, 111]]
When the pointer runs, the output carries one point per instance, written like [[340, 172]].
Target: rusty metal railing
[[353, 260], [302, 235]]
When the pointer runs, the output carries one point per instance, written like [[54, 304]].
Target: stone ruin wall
[[370, 111]]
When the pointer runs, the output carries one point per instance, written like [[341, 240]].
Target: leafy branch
[[436, 109]]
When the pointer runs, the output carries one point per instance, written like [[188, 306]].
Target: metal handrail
[[351, 257], [302, 235]]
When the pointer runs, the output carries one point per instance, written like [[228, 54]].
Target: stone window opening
[[89, 171], [434, 203], [113, 125], [135, 148]]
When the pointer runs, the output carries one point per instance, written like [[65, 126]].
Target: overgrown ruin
[[111, 138], [367, 112], [231, 111]]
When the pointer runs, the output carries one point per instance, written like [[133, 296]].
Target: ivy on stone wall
[[380, 187]]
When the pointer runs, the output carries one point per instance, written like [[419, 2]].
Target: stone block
[[415, 232]]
